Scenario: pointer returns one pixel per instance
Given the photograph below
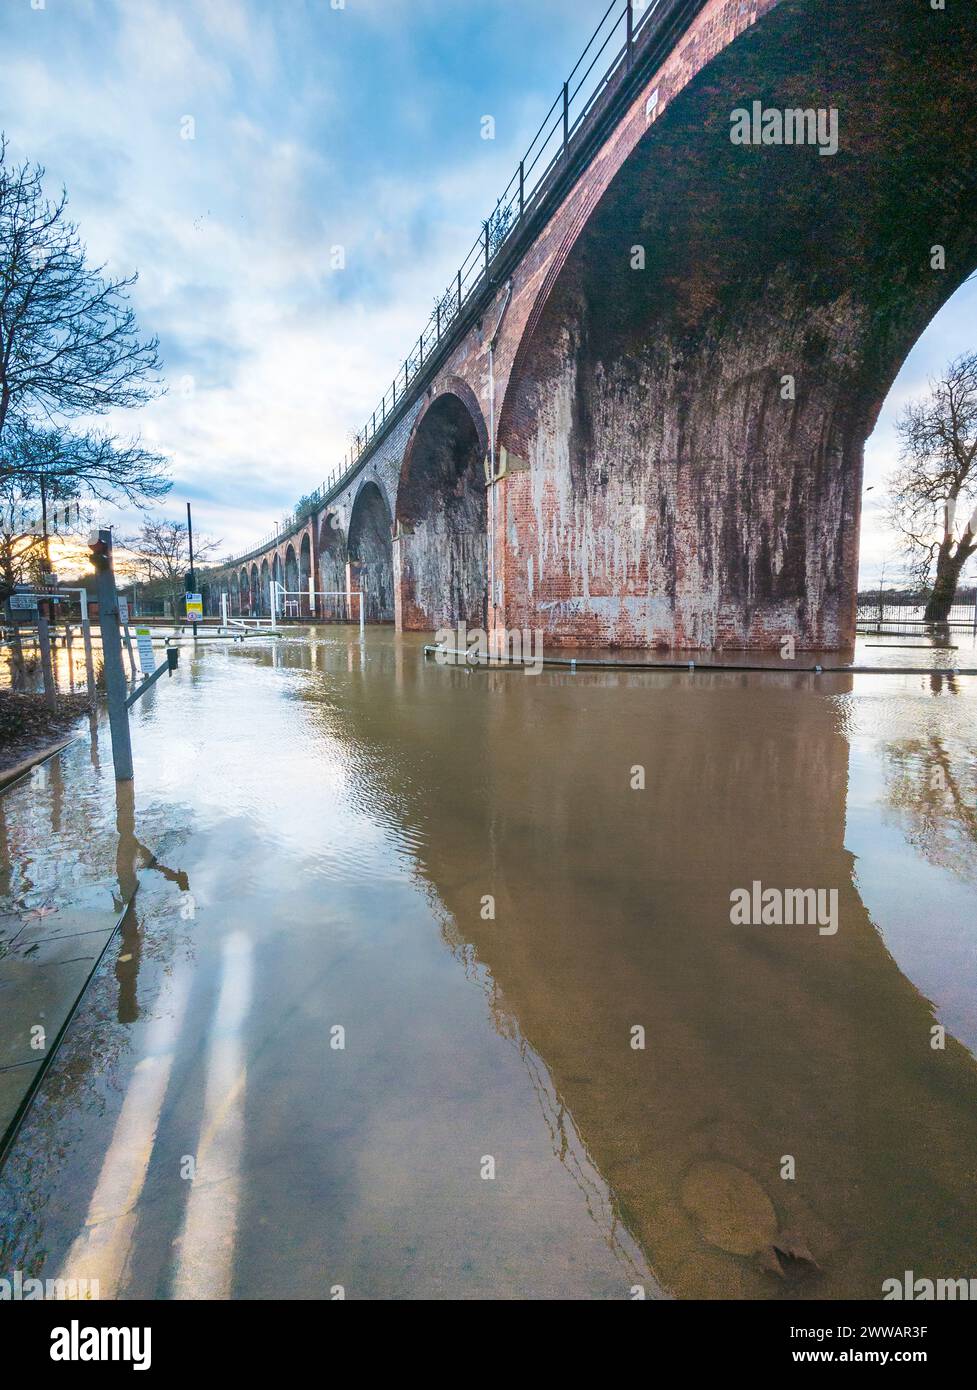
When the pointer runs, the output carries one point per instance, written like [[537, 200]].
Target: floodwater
[[423, 997]]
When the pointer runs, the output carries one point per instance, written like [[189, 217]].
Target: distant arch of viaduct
[[684, 356]]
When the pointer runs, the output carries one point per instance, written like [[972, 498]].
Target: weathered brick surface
[[662, 489], [329, 531], [441, 514], [678, 491]]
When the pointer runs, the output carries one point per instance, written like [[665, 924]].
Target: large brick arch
[[292, 570], [370, 547], [305, 564], [441, 557], [278, 576], [667, 482], [332, 559]]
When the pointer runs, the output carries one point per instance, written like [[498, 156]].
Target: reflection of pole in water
[[93, 735], [130, 943], [131, 855], [5, 868], [56, 775]]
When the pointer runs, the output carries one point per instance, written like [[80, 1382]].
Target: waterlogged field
[[472, 984]]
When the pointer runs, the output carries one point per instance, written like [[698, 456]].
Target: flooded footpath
[[452, 984]]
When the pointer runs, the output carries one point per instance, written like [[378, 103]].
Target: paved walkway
[[46, 957]]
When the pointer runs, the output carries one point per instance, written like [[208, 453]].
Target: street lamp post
[[193, 577]]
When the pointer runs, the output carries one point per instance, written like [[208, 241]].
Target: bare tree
[[163, 547], [43, 471], [23, 558], [64, 464], [936, 481], [22, 552], [68, 337]]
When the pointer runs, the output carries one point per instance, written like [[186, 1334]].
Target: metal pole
[[167, 667], [47, 547], [132, 655], [566, 116], [630, 33], [193, 577], [86, 629], [47, 667], [115, 679]]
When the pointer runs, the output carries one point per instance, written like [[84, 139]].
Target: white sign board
[[22, 601], [195, 607], [124, 611], [144, 640]]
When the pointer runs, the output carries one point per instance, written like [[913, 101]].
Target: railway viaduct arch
[[674, 371]]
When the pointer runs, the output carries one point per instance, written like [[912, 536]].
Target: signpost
[[144, 639], [195, 607], [124, 620]]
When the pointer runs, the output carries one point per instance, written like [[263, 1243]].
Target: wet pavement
[[422, 995]]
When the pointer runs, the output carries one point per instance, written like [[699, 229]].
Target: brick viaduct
[[682, 352]]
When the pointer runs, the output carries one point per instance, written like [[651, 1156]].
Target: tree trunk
[[948, 569], [18, 670]]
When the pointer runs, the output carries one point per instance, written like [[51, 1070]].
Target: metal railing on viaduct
[[631, 38]]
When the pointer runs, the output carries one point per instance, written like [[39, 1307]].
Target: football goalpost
[[287, 603]]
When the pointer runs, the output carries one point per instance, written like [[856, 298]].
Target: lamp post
[[193, 577]]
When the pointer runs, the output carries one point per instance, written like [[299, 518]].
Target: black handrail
[[476, 267]]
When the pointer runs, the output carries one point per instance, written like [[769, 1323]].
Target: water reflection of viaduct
[[653, 482], [760, 1042]]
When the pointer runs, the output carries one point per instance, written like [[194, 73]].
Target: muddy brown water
[[315, 1040]]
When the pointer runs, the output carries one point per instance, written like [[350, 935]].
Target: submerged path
[[396, 926]]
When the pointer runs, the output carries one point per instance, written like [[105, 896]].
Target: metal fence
[[609, 52], [906, 614]]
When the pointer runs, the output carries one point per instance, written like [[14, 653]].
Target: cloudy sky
[[313, 126]]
